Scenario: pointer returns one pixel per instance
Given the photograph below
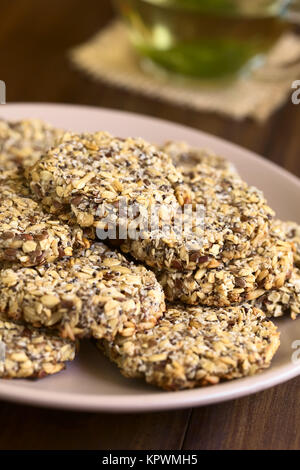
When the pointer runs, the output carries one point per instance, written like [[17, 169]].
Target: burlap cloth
[[109, 57]]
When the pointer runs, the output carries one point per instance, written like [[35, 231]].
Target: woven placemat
[[109, 56]]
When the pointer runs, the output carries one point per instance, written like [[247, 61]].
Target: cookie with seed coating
[[282, 301], [187, 157], [285, 299], [197, 346], [217, 284], [28, 352], [97, 293], [235, 220], [289, 231], [94, 172], [29, 236], [23, 142]]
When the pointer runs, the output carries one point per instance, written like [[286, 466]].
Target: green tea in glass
[[204, 38]]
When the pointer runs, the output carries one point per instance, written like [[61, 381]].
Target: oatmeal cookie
[[235, 220], [286, 300], [23, 142], [98, 293], [93, 172], [219, 284], [187, 157], [289, 231], [28, 236], [89, 171], [27, 352], [197, 346]]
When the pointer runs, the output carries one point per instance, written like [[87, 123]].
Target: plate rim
[[144, 402], [161, 400]]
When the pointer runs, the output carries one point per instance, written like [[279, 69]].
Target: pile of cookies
[[179, 311]]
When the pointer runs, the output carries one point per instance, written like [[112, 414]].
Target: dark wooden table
[[34, 38]]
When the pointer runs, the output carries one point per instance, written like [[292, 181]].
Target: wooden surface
[[34, 39]]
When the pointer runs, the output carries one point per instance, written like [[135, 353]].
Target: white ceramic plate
[[92, 382]]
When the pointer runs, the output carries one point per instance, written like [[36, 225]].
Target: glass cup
[[205, 38]]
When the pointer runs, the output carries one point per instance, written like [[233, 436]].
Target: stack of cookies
[[79, 259]]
